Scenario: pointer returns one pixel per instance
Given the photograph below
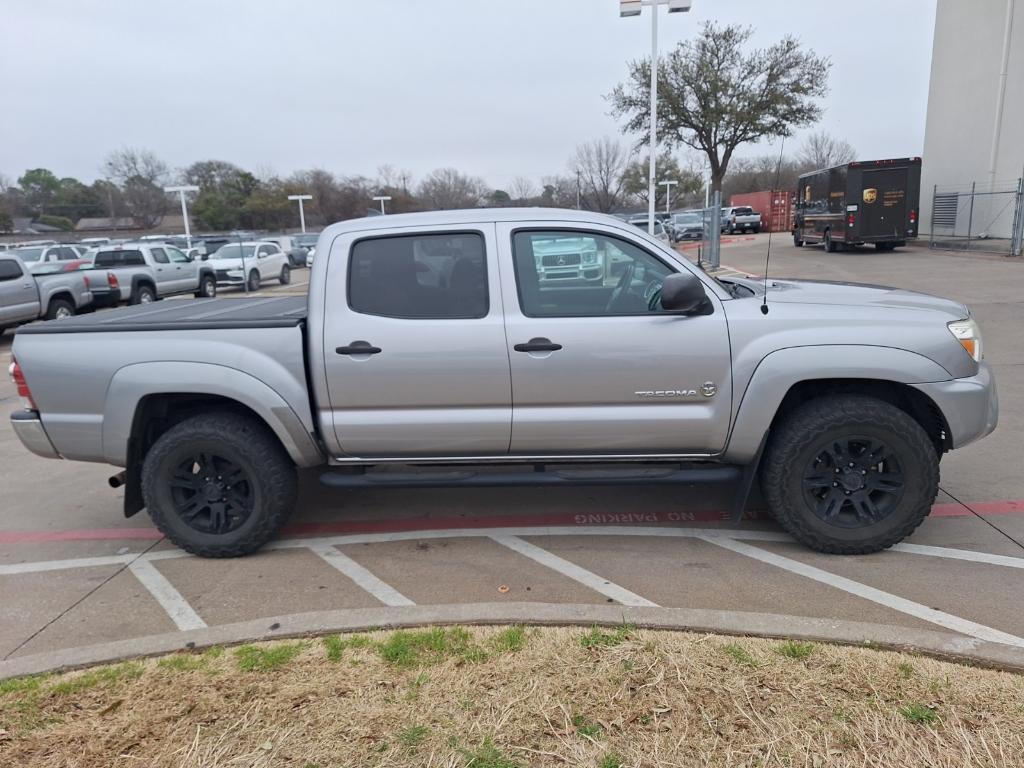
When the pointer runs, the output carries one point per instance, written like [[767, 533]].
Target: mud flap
[[133, 501], [747, 477]]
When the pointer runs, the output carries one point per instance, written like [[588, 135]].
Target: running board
[[540, 476]]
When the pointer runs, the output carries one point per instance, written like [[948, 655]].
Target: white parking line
[[170, 599], [384, 592], [961, 554], [909, 607], [59, 565], [573, 571]]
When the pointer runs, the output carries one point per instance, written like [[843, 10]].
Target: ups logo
[[870, 195]]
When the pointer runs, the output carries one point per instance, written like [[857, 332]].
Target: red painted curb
[[1007, 507]]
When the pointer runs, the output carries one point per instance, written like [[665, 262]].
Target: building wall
[[963, 94]]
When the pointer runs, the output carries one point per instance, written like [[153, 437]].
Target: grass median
[[517, 696]]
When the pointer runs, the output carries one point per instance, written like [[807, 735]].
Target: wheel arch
[[784, 380], [62, 295]]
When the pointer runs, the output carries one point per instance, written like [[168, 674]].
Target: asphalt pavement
[[80, 583]]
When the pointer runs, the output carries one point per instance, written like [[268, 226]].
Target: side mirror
[[682, 292]]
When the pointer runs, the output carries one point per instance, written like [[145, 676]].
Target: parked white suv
[[250, 263]]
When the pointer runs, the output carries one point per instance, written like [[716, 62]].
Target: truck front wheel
[[219, 485], [849, 474]]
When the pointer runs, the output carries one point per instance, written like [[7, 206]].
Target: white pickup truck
[[740, 218]]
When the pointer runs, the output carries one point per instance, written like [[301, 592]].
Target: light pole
[[633, 8], [302, 212], [382, 199], [184, 209], [668, 191]]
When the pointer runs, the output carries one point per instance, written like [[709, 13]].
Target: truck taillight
[[86, 278], [112, 281], [913, 216], [18, 377], [849, 219]]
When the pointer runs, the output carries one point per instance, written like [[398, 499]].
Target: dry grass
[[498, 698]]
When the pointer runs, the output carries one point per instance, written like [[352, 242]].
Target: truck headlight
[[968, 334], [590, 257]]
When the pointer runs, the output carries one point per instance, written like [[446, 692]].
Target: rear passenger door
[[414, 344], [186, 275], [19, 296], [163, 271]]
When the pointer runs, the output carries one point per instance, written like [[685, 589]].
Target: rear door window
[[428, 276], [158, 255]]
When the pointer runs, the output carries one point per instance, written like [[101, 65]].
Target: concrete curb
[[939, 644]]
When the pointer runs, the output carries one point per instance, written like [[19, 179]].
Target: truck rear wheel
[[797, 240], [60, 309], [219, 485], [143, 295], [830, 246], [849, 474]]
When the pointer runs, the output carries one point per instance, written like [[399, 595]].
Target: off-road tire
[[793, 444], [253, 281], [207, 287], [140, 293], [59, 309], [286, 275], [250, 443]]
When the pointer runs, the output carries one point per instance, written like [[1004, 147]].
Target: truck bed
[[184, 315]]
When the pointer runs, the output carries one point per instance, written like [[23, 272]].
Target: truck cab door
[[185, 272], [163, 271], [598, 368], [19, 295], [414, 344]]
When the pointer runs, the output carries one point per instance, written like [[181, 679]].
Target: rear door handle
[[539, 344], [358, 348]]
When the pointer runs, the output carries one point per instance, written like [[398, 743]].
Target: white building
[[975, 126]]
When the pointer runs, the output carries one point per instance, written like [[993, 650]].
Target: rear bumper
[[970, 405], [29, 429]]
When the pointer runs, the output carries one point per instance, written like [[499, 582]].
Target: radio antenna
[[771, 203]]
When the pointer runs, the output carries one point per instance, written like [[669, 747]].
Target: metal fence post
[[931, 224], [715, 235], [1017, 239], [970, 216]]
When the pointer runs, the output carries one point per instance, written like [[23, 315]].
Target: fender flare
[[138, 280], [132, 383], [780, 370]]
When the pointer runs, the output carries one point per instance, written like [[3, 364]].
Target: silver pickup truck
[[53, 295], [147, 271], [839, 398]]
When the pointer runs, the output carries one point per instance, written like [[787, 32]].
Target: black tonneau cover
[[184, 315]]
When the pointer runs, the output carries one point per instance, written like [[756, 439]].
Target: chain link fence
[[980, 217]]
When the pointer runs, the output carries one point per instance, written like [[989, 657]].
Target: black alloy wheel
[[853, 482], [211, 493]]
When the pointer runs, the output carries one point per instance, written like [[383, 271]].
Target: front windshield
[[28, 254], [686, 219], [306, 241], [234, 252]]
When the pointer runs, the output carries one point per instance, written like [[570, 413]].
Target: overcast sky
[[495, 88]]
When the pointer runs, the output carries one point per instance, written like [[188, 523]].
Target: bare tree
[[522, 190], [714, 97], [820, 150], [446, 189], [601, 165], [141, 175], [389, 177], [558, 192]]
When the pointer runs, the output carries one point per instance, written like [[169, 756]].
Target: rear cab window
[[129, 258], [438, 276]]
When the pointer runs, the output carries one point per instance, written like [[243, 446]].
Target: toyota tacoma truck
[[741, 218], [148, 271], [839, 399], [25, 296]]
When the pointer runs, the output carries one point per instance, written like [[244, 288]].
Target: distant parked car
[[289, 244], [740, 218], [659, 228], [250, 264], [687, 226], [37, 255]]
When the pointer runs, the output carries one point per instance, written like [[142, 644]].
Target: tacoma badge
[[708, 389]]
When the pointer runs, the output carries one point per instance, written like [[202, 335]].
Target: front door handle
[[358, 348], [539, 344]]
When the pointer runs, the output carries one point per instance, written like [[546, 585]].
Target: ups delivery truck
[[868, 201]]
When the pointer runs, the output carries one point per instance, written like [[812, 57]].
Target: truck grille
[[560, 260], [222, 274]]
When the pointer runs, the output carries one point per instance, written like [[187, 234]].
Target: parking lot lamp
[[633, 8], [184, 209], [382, 199], [668, 191], [302, 213]]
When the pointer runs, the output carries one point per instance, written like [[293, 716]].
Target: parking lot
[[78, 582]]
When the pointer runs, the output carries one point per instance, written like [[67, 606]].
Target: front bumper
[[29, 429], [970, 405], [225, 278]]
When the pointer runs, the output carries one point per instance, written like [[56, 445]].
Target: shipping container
[[867, 201], [775, 207]]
